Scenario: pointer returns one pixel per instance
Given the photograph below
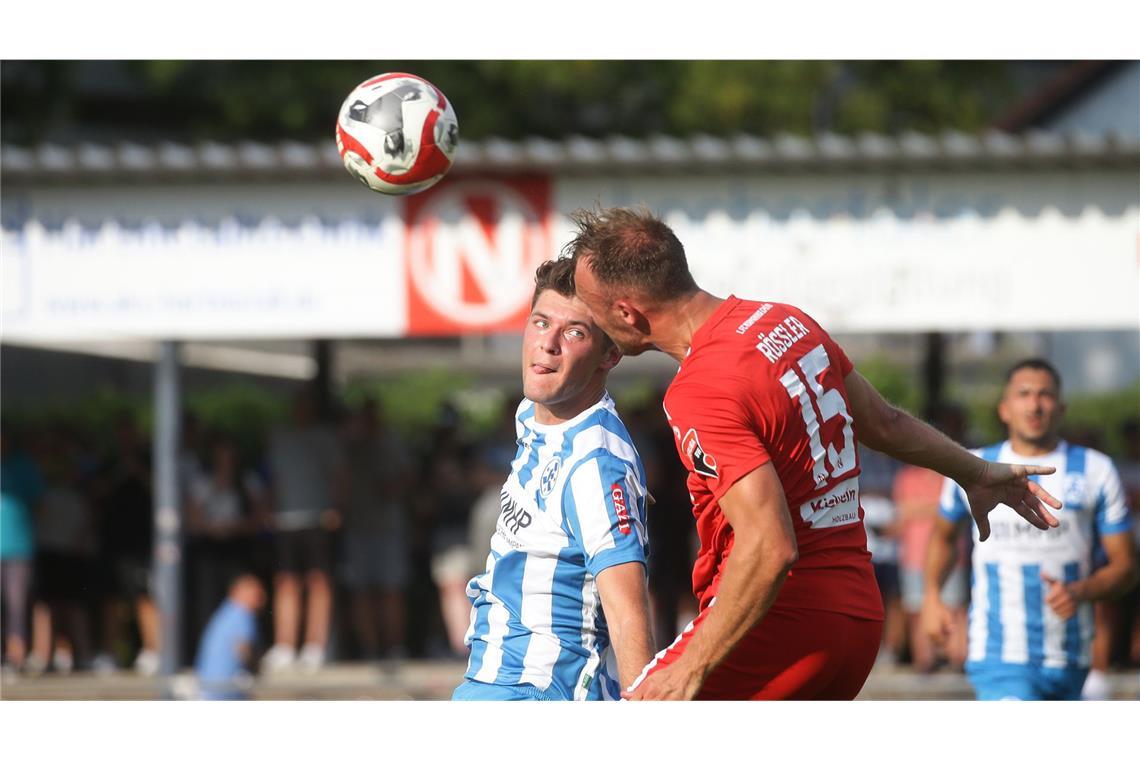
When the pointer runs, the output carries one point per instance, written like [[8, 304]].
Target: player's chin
[[540, 390]]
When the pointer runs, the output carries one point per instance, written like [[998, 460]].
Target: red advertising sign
[[472, 248]]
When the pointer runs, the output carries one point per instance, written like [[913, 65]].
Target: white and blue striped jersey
[[573, 505], [1009, 620]]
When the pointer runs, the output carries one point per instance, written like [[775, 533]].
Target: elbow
[[881, 429], [784, 558]]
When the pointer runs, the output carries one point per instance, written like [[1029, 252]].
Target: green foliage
[[242, 412], [411, 401], [895, 382], [298, 100]]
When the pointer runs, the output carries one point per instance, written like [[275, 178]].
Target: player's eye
[[576, 333], [540, 323]]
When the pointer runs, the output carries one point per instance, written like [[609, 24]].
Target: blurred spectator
[[307, 474], [880, 519], [65, 560], [123, 496], [20, 489], [1117, 621], [376, 533], [1130, 475], [491, 466], [226, 650], [916, 493], [449, 494], [225, 503], [669, 522]]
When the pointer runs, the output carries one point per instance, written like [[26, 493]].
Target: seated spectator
[[226, 649]]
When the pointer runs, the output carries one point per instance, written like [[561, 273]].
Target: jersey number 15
[[830, 403]]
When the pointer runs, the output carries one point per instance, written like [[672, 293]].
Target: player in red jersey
[[767, 411]]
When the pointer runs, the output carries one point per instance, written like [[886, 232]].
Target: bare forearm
[[941, 554], [625, 602], [911, 440], [750, 582], [1108, 582], [633, 645]]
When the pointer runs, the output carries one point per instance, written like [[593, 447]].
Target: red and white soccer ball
[[397, 133]]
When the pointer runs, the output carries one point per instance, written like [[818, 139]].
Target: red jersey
[[764, 382]]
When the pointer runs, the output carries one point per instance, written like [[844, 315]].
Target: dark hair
[[558, 275], [1038, 364], [634, 248]]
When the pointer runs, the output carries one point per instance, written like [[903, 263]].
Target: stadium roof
[[581, 155]]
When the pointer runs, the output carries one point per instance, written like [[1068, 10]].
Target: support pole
[[168, 511]]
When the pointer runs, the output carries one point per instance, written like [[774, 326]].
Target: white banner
[[1002, 253]]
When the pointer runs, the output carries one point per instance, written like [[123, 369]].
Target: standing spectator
[[224, 505], [1116, 619], [20, 489], [449, 494], [670, 529], [375, 536], [226, 650], [65, 561], [881, 521], [916, 492], [125, 503], [1130, 475], [307, 475]]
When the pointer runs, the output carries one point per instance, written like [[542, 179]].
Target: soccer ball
[[397, 133]]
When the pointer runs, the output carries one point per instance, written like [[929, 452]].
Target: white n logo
[[474, 255]]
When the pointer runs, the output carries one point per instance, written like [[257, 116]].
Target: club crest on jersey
[[1074, 490], [703, 462], [618, 495], [549, 477]]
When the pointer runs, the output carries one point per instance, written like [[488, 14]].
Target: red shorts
[[790, 654]]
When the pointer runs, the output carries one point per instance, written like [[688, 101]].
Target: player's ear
[[1003, 410], [632, 316], [610, 358]]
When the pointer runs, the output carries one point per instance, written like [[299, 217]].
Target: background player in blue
[[562, 611], [1031, 618]]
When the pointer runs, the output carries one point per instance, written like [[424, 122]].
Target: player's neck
[[556, 414], [1034, 448], [680, 321]]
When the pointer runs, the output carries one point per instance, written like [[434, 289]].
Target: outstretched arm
[[625, 602], [763, 550], [987, 484]]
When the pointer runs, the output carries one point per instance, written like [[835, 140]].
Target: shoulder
[[1097, 463], [602, 435]]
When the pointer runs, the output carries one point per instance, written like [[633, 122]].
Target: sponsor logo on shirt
[[549, 477], [620, 508], [703, 462], [513, 515], [764, 309], [839, 506], [1074, 490]]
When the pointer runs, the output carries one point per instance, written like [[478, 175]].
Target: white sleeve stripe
[[590, 504]]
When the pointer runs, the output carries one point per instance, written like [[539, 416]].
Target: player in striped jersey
[[562, 611], [1031, 617]]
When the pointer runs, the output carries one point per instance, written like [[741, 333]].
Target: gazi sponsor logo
[[618, 495]]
